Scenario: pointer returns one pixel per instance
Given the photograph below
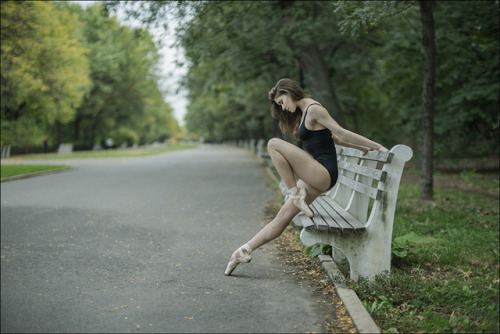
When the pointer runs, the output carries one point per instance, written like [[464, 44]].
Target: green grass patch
[[15, 170], [450, 284], [115, 153]]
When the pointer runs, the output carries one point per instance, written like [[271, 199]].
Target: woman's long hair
[[288, 122]]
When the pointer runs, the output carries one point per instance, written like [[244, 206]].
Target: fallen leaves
[[310, 272]]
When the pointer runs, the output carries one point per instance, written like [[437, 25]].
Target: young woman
[[300, 116]]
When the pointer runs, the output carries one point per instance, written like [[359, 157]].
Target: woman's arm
[[341, 142], [341, 135]]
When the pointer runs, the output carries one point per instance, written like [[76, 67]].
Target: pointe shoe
[[238, 257], [299, 199]]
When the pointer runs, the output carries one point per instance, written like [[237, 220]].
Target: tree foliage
[[467, 72], [373, 59], [44, 68], [79, 76], [124, 102]]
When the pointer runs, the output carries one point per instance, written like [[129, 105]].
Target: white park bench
[[356, 216], [66, 148]]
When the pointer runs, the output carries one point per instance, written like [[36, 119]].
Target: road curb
[[362, 320]]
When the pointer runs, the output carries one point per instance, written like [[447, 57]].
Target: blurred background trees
[[370, 80], [425, 74], [44, 69], [75, 75], [81, 76]]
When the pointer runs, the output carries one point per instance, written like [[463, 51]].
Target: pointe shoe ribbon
[[237, 258], [299, 199]]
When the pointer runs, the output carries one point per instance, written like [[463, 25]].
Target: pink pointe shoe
[[239, 257], [299, 199]]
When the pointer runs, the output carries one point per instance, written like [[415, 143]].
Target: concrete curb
[[362, 320]]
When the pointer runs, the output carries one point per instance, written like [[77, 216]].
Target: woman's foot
[[241, 255], [299, 199]]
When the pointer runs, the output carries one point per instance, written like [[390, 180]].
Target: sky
[[171, 73]]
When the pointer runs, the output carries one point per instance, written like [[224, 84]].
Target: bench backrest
[[365, 179]]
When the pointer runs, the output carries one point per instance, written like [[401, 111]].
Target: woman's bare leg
[[314, 178], [282, 219], [289, 159], [271, 230]]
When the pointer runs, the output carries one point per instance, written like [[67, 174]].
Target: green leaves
[[319, 249], [82, 71], [44, 68], [125, 102], [401, 245]]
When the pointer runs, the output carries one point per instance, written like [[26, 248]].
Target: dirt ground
[[309, 271]]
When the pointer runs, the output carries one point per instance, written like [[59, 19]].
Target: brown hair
[[288, 122]]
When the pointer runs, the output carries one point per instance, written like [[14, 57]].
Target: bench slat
[[357, 226], [321, 215], [305, 221], [335, 220], [375, 174], [364, 189], [371, 155], [330, 216]]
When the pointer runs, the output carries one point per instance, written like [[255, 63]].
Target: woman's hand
[[382, 149], [367, 149]]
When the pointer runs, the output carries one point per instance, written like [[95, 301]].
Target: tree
[[125, 102], [461, 120], [262, 42], [428, 87], [44, 69], [365, 13], [237, 50]]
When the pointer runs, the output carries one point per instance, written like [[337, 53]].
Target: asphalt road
[[141, 244]]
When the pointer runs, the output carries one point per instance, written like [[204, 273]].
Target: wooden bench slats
[[359, 187], [371, 155], [319, 219], [321, 213], [305, 221], [356, 225], [375, 174], [335, 217], [328, 216]]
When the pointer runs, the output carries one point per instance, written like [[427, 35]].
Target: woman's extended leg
[[271, 230], [283, 218]]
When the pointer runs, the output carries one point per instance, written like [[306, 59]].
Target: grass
[[113, 153], [14, 170], [450, 284]]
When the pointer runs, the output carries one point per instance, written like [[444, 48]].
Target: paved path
[[141, 244]]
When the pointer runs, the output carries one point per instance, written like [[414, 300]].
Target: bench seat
[[329, 216]]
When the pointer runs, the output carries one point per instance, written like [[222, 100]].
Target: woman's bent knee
[[273, 144]]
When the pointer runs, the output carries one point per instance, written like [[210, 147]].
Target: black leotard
[[319, 143]]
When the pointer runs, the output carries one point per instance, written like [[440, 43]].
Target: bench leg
[[368, 256]]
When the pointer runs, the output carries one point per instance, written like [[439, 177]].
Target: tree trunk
[[426, 174], [317, 79], [314, 75]]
